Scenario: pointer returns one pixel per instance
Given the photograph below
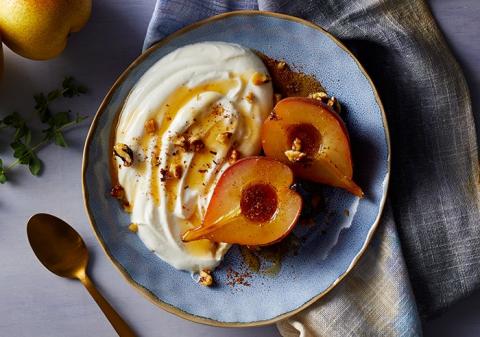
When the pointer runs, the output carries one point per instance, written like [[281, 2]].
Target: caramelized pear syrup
[[259, 202]]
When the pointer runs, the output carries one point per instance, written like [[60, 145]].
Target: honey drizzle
[[200, 162]]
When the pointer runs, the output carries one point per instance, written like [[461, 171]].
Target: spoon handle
[[120, 326]]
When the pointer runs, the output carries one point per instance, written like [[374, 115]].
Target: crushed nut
[[321, 95], [224, 137], [150, 126], [277, 98], [233, 156], [133, 227], [176, 171], [281, 65], [332, 101], [334, 104], [195, 144], [297, 144], [260, 78], [164, 175], [180, 141], [117, 192], [124, 153], [250, 98], [295, 156], [206, 278]]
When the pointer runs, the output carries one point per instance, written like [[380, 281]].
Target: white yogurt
[[202, 89]]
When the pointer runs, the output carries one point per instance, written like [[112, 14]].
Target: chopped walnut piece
[[295, 156], [180, 141], [117, 192], [321, 95], [250, 98], [281, 65], [133, 227], [206, 278], [233, 156], [332, 101], [196, 144], [124, 153], [176, 171], [297, 144], [334, 104], [260, 78], [224, 137], [150, 126], [164, 175]]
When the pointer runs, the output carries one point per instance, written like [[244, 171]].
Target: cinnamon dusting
[[287, 81]]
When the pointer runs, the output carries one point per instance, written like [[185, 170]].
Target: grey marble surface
[[34, 302]]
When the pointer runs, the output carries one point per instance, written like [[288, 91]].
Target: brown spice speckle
[[288, 82], [238, 278]]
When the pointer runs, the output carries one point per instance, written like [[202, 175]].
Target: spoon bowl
[[62, 251], [57, 245]]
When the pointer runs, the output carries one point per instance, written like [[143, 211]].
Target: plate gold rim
[[145, 292]]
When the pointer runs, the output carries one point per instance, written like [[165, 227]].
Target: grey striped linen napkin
[[433, 211]]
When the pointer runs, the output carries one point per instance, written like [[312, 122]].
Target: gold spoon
[[62, 251]]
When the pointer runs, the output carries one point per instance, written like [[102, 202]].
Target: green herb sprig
[[55, 125]]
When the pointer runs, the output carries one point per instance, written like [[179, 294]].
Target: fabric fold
[[375, 299]]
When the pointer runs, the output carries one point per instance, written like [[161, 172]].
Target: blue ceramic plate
[[328, 251]]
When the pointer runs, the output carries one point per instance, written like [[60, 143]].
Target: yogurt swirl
[[200, 93]]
